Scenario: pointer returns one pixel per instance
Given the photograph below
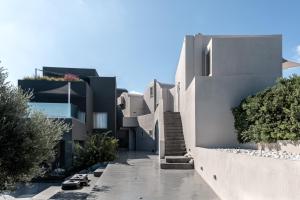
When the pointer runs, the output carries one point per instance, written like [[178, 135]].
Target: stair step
[[173, 128], [177, 159], [173, 132], [171, 116], [175, 153], [173, 145], [164, 165], [174, 142], [175, 150], [174, 137], [172, 121]]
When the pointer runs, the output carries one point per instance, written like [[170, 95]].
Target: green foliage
[[98, 148], [67, 77], [27, 144], [270, 115]]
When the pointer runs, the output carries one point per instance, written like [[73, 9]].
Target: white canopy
[[286, 64]]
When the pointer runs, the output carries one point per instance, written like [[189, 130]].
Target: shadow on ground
[[97, 189], [70, 196], [124, 156]]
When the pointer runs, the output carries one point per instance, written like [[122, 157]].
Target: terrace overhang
[[286, 64]]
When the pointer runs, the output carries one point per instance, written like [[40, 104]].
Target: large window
[[100, 120]]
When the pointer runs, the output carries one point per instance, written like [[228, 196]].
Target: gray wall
[[89, 109], [235, 56], [79, 131], [104, 93], [215, 98], [145, 133], [134, 105]]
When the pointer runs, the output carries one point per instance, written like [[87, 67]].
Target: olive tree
[[27, 138]]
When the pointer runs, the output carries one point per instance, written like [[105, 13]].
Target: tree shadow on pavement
[[70, 196]]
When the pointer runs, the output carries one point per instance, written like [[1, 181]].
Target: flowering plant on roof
[[71, 77]]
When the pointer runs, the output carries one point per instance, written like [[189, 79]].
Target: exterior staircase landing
[[177, 162]]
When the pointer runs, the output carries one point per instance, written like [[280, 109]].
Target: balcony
[[58, 110]]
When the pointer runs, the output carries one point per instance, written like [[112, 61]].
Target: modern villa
[[185, 122], [194, 115], [87, 103]]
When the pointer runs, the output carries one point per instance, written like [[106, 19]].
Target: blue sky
[[134, 40]]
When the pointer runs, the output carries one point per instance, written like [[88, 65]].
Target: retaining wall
[[244, 177]]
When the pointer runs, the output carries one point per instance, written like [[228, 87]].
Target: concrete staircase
[[174, 140], [174, 144], [177, 162]]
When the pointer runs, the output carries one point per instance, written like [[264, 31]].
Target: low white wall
[[244, 177], [288, 146]]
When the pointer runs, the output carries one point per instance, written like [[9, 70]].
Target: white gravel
[[263, 153]]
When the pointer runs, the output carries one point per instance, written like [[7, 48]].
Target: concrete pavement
[[137, 175]]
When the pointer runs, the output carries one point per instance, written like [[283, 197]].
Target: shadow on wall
[[144, 140]]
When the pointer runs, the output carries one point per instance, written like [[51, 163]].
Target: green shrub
[[270, 115], [98, 148]]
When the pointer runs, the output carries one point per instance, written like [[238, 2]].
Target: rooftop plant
[[67, 77], [270, 115]]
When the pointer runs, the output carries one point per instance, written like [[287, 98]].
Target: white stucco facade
[[214, 74]]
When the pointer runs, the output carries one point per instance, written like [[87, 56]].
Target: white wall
[[215, 97], [245, 177], [241, 66], [233, 56], [134, 104]]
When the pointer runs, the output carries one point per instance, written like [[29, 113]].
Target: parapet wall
[[245, 177]]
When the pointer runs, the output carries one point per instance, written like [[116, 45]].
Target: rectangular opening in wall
[[151, 92], [207, 64], [100, 120]]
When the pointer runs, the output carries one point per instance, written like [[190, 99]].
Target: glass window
[[100, 120], [81, 116]]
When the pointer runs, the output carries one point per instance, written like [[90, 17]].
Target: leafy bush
[[270, 115], [98, 148], [27, 139]]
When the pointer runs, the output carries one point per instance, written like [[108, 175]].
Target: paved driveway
[[136, 175]]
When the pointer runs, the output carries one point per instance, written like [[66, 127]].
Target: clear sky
[[134, 40]]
